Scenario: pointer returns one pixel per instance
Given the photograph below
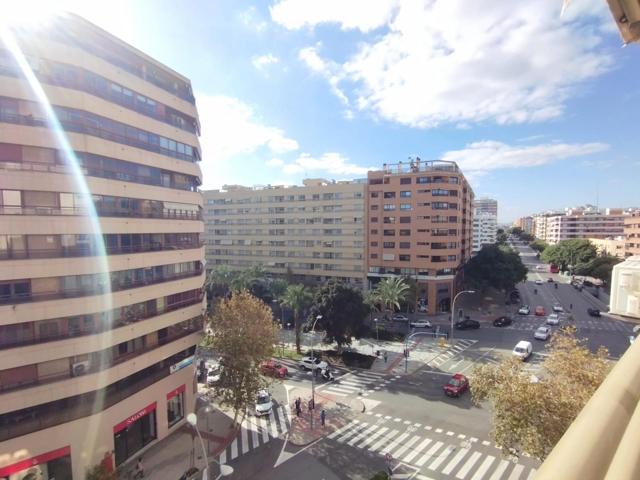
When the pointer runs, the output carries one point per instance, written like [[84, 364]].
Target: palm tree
[[392, 291], [296, 297], [371, 300]]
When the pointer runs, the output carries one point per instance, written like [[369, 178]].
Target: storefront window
[[134, 433], [175, 405], [54, 465]]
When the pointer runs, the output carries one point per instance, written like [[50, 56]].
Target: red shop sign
[[135, 417], [38, 460], [177, 391]]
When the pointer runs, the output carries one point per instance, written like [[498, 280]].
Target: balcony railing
[[102, 211]]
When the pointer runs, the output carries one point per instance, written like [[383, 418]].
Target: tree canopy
[[515, 231], [526, 237], [297, 298], [391, 292], [531, 414], [538, 245], [496, 267], [575, 252], [243, 335], [600, 267], [343, 312]]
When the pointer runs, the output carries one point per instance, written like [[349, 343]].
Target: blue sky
[[537, 109]]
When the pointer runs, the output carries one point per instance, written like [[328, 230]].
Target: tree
[[410, 300], [372, 301], [277, 287], [243, 335], [296, 297], [517, 231], [391, 292], [496, 267], [343, 312], [600, 268], [530, 414], [501, 237], [219, 280], [574, 252], [526, 237], [538, 245]]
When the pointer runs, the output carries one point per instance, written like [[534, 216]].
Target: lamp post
[[225, 470], [375, 320], [453, 307], [313, 372]]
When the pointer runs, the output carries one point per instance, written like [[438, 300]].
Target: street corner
[[307, 424]]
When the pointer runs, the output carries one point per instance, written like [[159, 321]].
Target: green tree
[[343, 312], [411, 299], [576, 253], [391, 292], [247, 279], [501, 237], [219, 279], [277, 287], [243, 335], [539, 245], [517, 231], [526, 237], [296, 297], [599, 267], [372, 301], [531, 414], [496, 267]]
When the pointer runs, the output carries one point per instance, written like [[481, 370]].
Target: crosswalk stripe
[[468, 465], [289, 414], [442, 456], [384, 440], [223, 456], [497, 475], [358, 437], [350, 432], [234, 448], [371, 438], [394, 444], [517, 470], [273, 425], [417, 450], [335, 433], [281, 418], [405, 447], [532, 474], [423, 459], [337, 394], [264, 430], [455, 461], [254, 435], [484, 467], [341, 389], [245, 437]]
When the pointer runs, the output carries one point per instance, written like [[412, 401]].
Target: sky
[[537, 108]]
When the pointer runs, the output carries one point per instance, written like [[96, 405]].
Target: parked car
[[398, 317], [538, 282], [213, 374], [308, 363], [502, 321], [553, 319], [274, 369], [549, 280], [421, 324], [540, 312], [456, 385], [539, 267], [524, 310], [523, 350], [264, 404], [594, 312], [542, 333], [467, 323], [558, 308]]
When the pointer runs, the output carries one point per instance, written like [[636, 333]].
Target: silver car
[[542, 333]]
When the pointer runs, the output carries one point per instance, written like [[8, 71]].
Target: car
[[264, 404], [539, 311], [398, 317], [524, 310], [539, 267], [213, 374], [422, 308], [557, 308], [308, 363], [538, 282], [549, 280], [553, 319], [456, 385], [421, 324], [594, 312], [502, 321], [467, 323], [274, 369], [523, 350], [542, 333]]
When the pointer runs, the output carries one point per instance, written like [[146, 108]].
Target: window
[[451, 258], [455, 180], [375, 181], [389, 207], [374, 255], [423, 180], [404, 258], [375, 194], [405, 219], [374, 207], [374, 219], [440, 205], [405, 233], [405, 244], [374, 232], [405, 194], [405, 181], [405, 206], [389, 219], [439, 192], [374, 244], [389, 245], [389, 233], [389, 194], [175, 406]]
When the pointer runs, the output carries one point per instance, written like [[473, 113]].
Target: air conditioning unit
[[80, 368]]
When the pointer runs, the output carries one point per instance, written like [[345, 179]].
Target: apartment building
[[485, 227], [419, 225], [526, 224], [632, 234], [313, 233], [100, 250], [584, 222], [609, 246], [485, 205], [625, 288]]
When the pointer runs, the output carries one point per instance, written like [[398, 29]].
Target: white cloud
[[364, 15], [263, 61], [478, 158], [333, 164], [275, 162], [458, 62]]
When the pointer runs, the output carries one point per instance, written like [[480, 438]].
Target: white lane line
[[395, 443], [375, 447], [358, 437], [337, 394], [532, 474], [352, 431], [483, 468], [283, 423], [468, 465], [342, 389], [234, 448], [455, 461], [265, 430], [462, 436], [245, 438], [417, 450], [378, 415], [223, 457], [442, 456], [335, 433], [254, 435], [405, 447], [485, 442], [371, 438], [517, 470], [450, 433], [438, 430], [274, 427], [348, 383], [423, 459], [497, 475]]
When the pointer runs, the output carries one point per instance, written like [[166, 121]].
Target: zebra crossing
[[432, 450], [531, 324], [458, 347], [357, 382], [256, 431]]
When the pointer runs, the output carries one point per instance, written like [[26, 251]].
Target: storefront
[[53, 465], [135, 432], [175, 405]]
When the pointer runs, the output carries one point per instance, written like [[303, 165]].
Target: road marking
[[387, 417], [450, 433], [477, 360], [378, 415], [484, 467], [417, 425], [283, 423], [245, 438], [441, 457], [532, 474], [485, 442], [417, 450], [455, 461], [497, 475], [223, 456], [254, 436], [423, 459], [438, 430], [405, 447], [407, 422], [352, 431], [397, 419], [428, 427], [265, 430], [517, 470], [335, 433], [468, 465], [234, 448], [384, 439], [473, 439], [462, 436], [340, 391], [358, 437], [371, 438], [394, 444]]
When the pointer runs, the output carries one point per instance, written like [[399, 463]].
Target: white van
[[523, 350]]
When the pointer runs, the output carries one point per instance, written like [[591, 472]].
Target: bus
[[553, 268]]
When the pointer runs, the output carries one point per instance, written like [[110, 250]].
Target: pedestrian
[[139, 469], [322, 417], [310, 404], [297, 404], [385, 356], [571, 306]]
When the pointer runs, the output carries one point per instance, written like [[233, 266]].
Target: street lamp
[[375, 320], [225, 470], [314, 371], [453, 308]]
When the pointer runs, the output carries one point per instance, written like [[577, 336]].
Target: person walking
[[322, 417], [571, 306], [139, 469], [385, 356]]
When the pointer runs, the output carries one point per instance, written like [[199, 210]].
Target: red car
[[456, 385], [274, 369], [540, 311]]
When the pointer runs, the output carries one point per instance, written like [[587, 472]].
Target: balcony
[[102, 211]]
